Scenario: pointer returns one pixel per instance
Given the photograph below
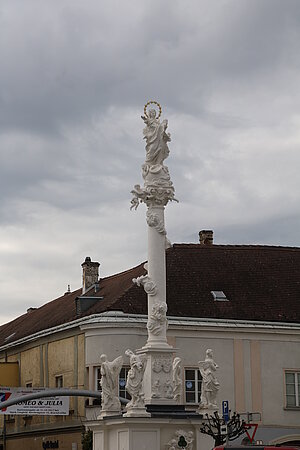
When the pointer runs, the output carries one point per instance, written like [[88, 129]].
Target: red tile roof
[[261, 283]]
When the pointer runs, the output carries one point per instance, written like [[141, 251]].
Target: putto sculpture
[[210, 384], [110, 371]]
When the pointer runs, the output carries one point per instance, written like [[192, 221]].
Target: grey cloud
[[74, 78], [75, 61]]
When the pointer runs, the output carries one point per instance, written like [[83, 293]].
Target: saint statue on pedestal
[[110, 382], [210, 384], [134, 383]]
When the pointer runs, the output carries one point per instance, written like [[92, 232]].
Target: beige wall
[[251, 361], [30, 367], [40, 363]]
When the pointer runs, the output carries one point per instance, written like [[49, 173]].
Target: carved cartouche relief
[[181, 439], [162, 386], [154, 221]]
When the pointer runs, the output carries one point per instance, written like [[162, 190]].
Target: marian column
[[158, 190]]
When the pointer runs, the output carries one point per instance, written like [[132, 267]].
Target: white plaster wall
[[98, 440], [276, 351], [192, 349], [275, 357], [113, 342], [123, 440]]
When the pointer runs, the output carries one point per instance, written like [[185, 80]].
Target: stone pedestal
[[108, 413], [209, 411], [158, 377], [137, 412], [147, 434]]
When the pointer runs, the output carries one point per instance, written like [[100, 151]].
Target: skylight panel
[[219, 296]]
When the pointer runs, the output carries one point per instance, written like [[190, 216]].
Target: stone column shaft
[[157, 305]]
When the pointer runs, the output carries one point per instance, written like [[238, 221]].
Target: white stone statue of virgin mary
[[156, 139]]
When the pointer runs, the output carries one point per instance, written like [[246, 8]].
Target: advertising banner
[[47, 406]]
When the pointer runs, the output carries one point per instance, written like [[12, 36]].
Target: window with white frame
[[292, 389], [192, 385], [122, 381]]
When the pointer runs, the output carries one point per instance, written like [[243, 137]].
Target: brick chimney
[[90, 273], [206, 237]]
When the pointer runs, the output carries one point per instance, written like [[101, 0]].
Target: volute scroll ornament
[[148, 284]]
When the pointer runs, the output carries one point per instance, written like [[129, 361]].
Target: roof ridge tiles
[[235, 246], [123, 272]]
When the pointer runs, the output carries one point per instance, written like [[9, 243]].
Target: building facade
[[240, 301]]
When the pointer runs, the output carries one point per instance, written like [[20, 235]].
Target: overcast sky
[[74, 78]]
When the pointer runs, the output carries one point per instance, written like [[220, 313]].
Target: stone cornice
[[119, 319]]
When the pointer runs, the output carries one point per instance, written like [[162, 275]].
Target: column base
[[207, 410], [158, 377], [137, 412], [109, 413]]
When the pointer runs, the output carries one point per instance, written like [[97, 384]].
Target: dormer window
[[219, 296]]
